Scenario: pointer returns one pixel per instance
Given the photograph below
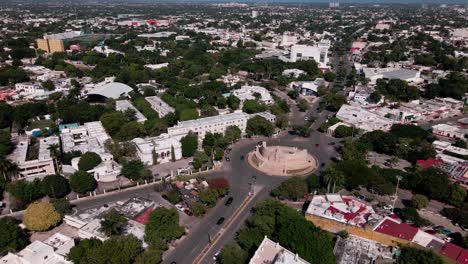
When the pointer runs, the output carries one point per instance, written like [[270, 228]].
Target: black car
[[227, 159], [229, 201], [220, 221], [242, 158]]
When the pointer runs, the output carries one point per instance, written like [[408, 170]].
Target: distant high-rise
[[254, 13], [333, 4], [50, 45]]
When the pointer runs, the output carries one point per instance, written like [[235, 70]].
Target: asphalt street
[[241, 177]]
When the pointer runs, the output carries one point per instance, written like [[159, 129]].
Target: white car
[[180, 207], [388, 207]]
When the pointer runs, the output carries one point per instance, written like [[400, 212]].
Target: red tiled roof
[[143, 217], [451, 251], [333, 209], [430, 162], [392, 228], [463, 258]]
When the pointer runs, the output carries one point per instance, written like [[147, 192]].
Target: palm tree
[[331, 174], [8, 168], [54, 152]]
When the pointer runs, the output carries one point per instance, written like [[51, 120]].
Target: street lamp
[[399, 178]]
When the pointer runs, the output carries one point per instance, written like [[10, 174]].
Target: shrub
[[88, 161]]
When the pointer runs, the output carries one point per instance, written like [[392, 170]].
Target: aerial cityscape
[[256, 132]]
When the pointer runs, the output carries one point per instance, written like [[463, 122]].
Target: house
[[160, 149], [272, 252], [51, 251]]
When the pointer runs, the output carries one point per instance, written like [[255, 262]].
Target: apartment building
[[39, 162]]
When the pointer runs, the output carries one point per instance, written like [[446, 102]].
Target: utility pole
[[399, 178]]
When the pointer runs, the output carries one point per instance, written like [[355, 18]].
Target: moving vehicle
[[229, 201], [220, 221]]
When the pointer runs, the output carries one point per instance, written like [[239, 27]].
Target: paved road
[[240, 175]]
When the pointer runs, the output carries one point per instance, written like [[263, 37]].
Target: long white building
[[214, 124], [124, 105], [159, 105], [158, 149]]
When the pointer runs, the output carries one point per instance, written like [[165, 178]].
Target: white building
[[159, 105], [449, 131], [91, 137], [270, 251], [39, 167], [156, 66], [318, 52], [158, 149], [51, 251], [30, 89], [363, 119], [124, 105], [410, 76], [295, 73], [215, 124], [247, 92], [343, 209]]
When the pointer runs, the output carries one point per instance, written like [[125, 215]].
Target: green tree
[[419, 201], [48, 85], [82, 182], [55, 186], [344, 131], [13, 238], [200, 160], [412, 255], [162, 228], [79, 253], [197, 208], [135, 170], [150, 256], [88, 161], [253, 106], [233, 254], [233, 102], [292, 189], [189, 144], [332, 175], [25, 192], [41, 216], [113, 223], [258, 125], [302, 105], [62, 206], [232, 133]]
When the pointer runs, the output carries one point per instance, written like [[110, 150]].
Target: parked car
[[242, 157], [229, 201], [227, 158], [220, 221], [388, 207]]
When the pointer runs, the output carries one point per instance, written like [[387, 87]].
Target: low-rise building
[[160, 149], [51, 251], [258, 93], [344, 209], [450, 131], [159, 105], [272, 252], [124, 105], [42, 163], [363, 119], [90, 137], [215, 124]]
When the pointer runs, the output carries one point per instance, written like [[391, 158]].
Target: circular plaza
[[282, 160]]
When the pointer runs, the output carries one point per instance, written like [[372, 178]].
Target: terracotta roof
[[400, 230], [451, 251]]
